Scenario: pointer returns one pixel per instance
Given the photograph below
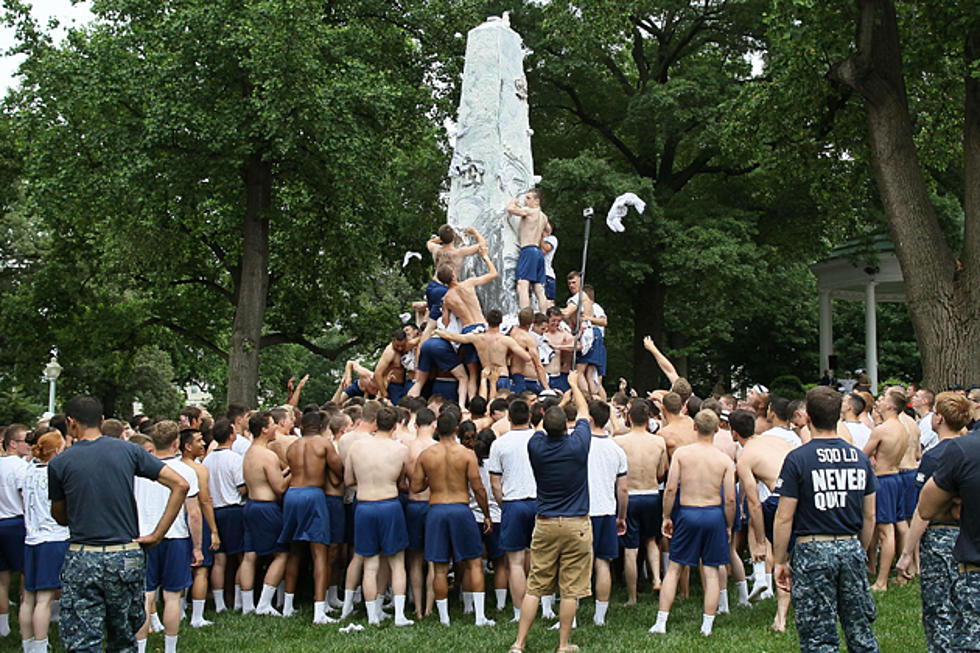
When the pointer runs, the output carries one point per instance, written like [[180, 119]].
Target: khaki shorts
[[561, 555]]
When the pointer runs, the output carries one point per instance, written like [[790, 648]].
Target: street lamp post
[[51, 374]]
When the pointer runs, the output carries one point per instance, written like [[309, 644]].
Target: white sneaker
[[201, 624]]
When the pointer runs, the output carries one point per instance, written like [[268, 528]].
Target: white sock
[[600, 613], [501, 595], [141, 646], [41, 645], [759, 571], [372, 609], [348, 602], [743, 590], [219, 600], [248, 601], [548, 605], [333, 597], [723, 602], [479, 604], [661, 625], [707, 621], [27, 645], [442, 605], [170, 644], [238, 597], [517, 613], [467, 602], [265, 599], [399, 602], [769, 581], [379, 601], [287, 603], [197, 610], [319, 612]]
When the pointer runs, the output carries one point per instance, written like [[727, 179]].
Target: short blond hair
[[954, 408], [706, 422]]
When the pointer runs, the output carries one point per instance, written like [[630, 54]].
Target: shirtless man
[[284, 420], [492, 348], [562, 342], [389, 374], [306, 517], [333, 487], [462, 302], [678, 429], [191, 449], [886, 447], [646, 457], [759, 463], [526, 375], [378, 465], [443, 249], [266, 482], [530, 264], [416, 511], [907, 469], [704, 475], [363, 386], [449, 470], [570, 313]]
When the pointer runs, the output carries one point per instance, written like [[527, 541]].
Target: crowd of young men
[[474, 445]]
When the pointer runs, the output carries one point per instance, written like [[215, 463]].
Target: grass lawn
[[899, 628]]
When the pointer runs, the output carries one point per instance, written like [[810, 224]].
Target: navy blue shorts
[[605, 542], [448, 388], [437, 355], [910, 494], [559, 382], [518, 383], [596, 356], [231, 528], [354, 389], [168, 565], [397, 391], [533, 385], [550, 288], [517, 524], [451, 534], [700, 535], [434, 292], [335, 507], [468, 351], [888, 500], [380, 528], [350, 509], [12, 536], [491, 540], [530, 265], [644, 515], [263, 523], [769, 520], [42, 565], [415, 513], [305, 517], [505, 383]]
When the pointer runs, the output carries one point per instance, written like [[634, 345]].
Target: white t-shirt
[[607, 462], [12, 470], [786, 434], [860, 433], [491, 502], [38, 522], [225, 472], [241, 445], [549, 257], [152, 497], [509, 460], [927, 436]]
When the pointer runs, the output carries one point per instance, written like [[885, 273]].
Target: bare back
[[702, 472], [530, 344], [461, 301], [449, 468], [646, 458], [678, 433], [910, 459], [415, 449], [762, 456], [307, 458], [377, 466]]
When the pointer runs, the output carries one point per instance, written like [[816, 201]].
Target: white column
[[871, 335], [826, 330]]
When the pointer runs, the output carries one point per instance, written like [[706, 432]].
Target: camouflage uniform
[[97, 586], [937, 572], [965, 600], [830, 581]]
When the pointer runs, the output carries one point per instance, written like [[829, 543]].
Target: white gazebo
[[858, 271]]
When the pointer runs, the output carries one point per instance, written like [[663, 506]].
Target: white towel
[[614, 220], [409, 256]]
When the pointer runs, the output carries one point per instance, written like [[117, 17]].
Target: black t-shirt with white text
[[958, 473], [829, 478]]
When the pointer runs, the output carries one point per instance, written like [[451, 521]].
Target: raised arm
[[581, 405], [294, 393], [491, 273], [662, 361], [469, 250], [515, 209]]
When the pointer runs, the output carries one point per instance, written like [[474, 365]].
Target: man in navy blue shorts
[[530, 264]]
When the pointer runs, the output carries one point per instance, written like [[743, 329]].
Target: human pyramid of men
[[467, 449]]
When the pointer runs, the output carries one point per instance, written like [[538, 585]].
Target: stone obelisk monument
[[492, 156]]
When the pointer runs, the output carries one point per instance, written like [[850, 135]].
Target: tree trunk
[[648, 320], [943, 299], [251, 286]]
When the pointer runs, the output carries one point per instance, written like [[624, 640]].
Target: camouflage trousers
[[965, 600], [830, 582], [938, 570], [102, 589]]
